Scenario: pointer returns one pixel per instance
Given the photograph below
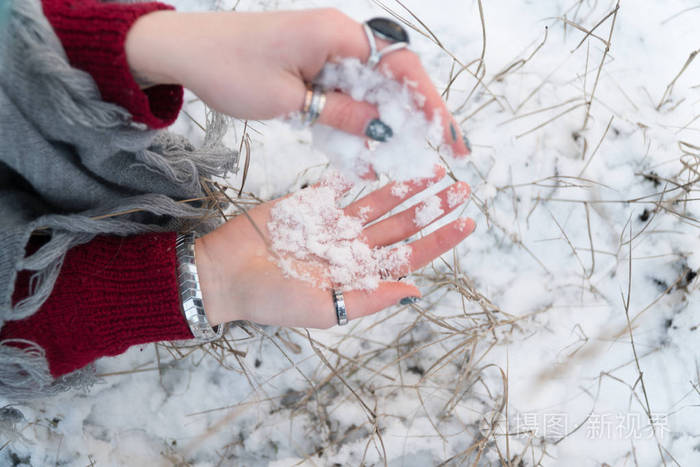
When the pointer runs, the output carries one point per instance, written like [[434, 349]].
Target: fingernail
[[379, 131], [409, 300], [453, 132], [467, 143]]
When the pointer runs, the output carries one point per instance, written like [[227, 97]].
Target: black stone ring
[[386, 29]]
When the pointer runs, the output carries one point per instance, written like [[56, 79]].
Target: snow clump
[[313, 240], [407, 154]]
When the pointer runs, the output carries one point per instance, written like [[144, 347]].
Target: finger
[[355, 117], [405, 66], [379, 202], [406, 223], [370, 175], [331, 179], [426, 249], [360, 303]]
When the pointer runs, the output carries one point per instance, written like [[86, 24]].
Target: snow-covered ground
[[564, 331]]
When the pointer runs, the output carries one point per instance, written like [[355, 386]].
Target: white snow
[[428, 211], [313, 240], [534, 301], [456, 195], [365, 212], [400, 189], [399, 107]]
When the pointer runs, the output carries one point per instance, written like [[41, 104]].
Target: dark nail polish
[[467, 143], [379, 131], [409, 300], [453, 132]]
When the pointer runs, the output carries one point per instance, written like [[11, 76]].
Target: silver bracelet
[[191, 293]]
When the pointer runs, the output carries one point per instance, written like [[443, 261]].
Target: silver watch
[[191, 293]]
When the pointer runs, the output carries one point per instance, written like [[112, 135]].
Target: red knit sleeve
[[112, 293], [93, 36]]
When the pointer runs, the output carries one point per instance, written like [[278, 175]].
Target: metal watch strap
[[191, 293]]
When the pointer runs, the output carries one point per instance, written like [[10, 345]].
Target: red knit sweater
[[113, 292], [93, 35]]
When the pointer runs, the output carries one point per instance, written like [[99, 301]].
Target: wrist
[[147, 48], [211, 285], [192, 304]]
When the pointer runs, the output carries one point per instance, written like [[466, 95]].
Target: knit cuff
[[93, 36], [112, 293]]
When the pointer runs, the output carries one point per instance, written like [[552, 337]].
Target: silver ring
[[314, 101], [339, 304], [386, 29]]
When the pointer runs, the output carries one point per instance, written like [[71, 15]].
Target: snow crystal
[[313, 240], [400, 189], [462, 223], [428, 211], [456, 195], [365, 211], [336, 181], [406, 154]]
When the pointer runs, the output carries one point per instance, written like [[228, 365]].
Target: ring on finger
[[339, 304], [386, 29], [314, 101]]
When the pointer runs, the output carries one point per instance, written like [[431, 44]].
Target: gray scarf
[[66, 157]]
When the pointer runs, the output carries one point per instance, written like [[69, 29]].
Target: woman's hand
[[240, 280], [257, 65]]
